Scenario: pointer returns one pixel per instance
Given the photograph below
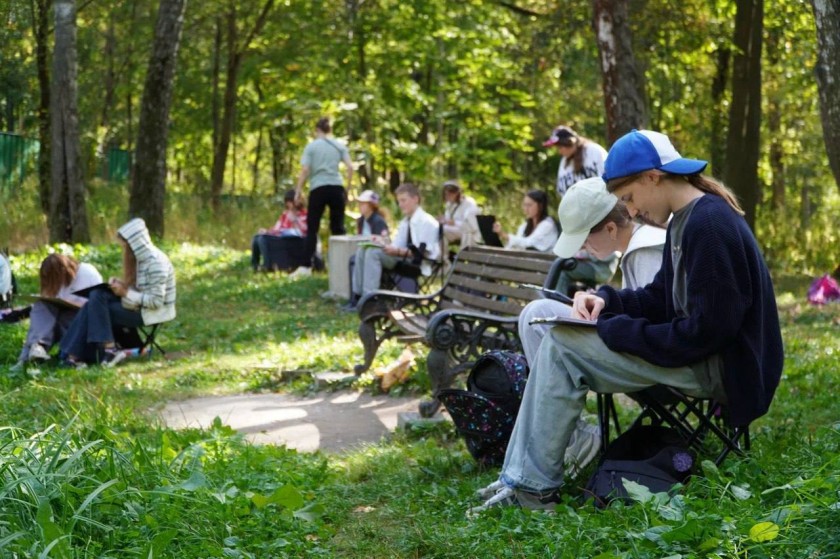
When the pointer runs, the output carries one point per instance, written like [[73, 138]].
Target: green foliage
[[87, 470]]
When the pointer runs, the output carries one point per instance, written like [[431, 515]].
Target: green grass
[[87, 471]]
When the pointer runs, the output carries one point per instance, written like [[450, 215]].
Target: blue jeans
[[571, 361], [93, 326]]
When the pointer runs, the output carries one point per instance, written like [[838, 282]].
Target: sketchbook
[[567, 320], [57, 301], [86, 291], [485, 225]]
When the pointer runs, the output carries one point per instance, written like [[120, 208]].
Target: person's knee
[[99, 296]]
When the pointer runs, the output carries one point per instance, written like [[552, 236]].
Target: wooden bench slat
[[500, 274], [476, 302], [410, 323], [495, 288], [539, 262]]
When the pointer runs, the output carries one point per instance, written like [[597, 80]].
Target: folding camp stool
[[141, 337], [148, 336], [696, 419]]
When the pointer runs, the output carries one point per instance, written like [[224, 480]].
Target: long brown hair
[[129, 264], [57, 271], [579, 143], [698, 181], [541, 199]]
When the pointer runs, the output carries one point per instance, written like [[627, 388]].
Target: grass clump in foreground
[[87, 471]]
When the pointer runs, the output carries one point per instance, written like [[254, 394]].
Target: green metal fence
[[18, 158], [117, 165]]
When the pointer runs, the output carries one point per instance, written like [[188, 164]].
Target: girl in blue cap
[[707, 325]]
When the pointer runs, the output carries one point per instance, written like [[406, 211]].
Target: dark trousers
[[94, 325], [323, 196]]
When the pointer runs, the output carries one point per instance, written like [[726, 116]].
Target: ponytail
[[698, 181], [712, 186]]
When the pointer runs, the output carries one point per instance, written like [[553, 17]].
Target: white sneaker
[[301, 272], [38, 353], [486, 492], [583, 448], [509, 497]]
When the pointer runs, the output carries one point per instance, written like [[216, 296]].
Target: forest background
[[421, 91]]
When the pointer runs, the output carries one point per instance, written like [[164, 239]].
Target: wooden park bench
[[475, 311]]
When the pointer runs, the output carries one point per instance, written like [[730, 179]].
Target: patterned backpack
[[484, 414]]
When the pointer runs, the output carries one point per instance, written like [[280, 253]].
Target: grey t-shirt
[[709, 373], [322, 156]]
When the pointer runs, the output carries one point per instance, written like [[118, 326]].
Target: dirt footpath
[[328, 421]]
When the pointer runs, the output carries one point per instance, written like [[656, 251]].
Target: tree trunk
[[217, 57], [148, 184], [774, 122], [255, 170], [68, 212], [622, 83], [827, 17], [41, 22], [236, 53], [743, 137], [717, 149]]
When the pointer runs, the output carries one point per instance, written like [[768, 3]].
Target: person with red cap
[[580, 158]]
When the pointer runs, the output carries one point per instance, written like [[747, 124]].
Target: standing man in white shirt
[[319, 163]]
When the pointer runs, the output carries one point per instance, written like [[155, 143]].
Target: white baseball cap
[[368, 196], [583, 207]]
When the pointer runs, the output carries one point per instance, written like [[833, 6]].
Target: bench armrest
[[467, 334], [381, 302]]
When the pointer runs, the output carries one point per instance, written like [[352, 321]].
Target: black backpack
[[484, 414], [654, 456]]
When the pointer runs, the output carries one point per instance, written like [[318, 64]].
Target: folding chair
[[149, 335], [142, 338], [697, 420], [407, 275]]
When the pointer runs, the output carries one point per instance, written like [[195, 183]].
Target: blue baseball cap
[[643, 150]]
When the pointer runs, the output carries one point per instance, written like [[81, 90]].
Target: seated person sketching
[[595, 219], [60, 276], [707, 325], [291, 223], [458, 227], [145, 296], [539, 232], [371, 225], [416, 241]]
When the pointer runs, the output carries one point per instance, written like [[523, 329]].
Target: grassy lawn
[[86, 469]]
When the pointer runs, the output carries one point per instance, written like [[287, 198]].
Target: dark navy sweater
[[732, 305], [378, 225]]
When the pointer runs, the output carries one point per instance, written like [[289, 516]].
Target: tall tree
[[622, 83], [148, 183], [68, 211], [827, 18], [744, 134], [236, 54], [41, 29]]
